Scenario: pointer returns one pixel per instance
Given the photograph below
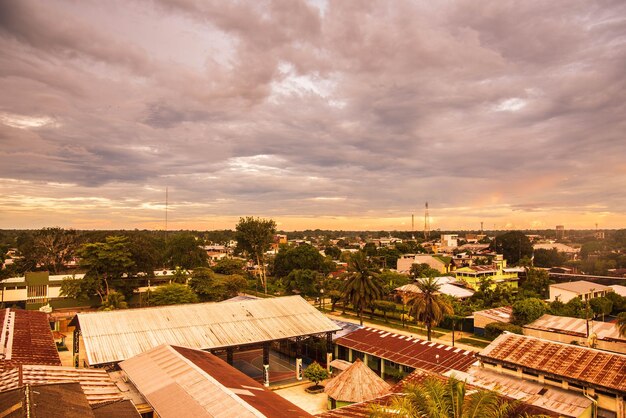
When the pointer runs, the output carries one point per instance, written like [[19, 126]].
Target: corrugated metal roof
[[577, 327], [26, 338], [408, 351], [501, 314], [445, 288], [358, 383], [181, 382], [581, 287], [57, 400], [569, 362], [565, 403], [118, 335], [95, 383]]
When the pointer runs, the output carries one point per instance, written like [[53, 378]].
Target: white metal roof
[[112, 336]]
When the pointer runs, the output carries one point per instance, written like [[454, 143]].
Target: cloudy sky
[[318, 114]]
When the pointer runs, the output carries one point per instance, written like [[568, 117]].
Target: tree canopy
[[528, 310], [254, 237], [514, 245], [172, 294]]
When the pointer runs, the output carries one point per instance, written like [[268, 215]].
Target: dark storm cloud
[[335, 108]]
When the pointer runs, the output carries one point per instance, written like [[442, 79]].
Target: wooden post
[[299, 358], [76, 347], [266, 364], [329, 350]]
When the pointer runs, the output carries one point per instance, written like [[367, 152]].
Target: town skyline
[[317, 114]]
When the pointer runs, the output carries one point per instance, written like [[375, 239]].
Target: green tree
[[184, 250], [304, 282], [229, 265], [254, 237], [107, 265], [601, 306], [53, 247], [392, 280], [549, 258], [233, 285], [438, 399], [514, 245], [147, 253], [204, 284], [528, 310], [302, 257], [423, 270], [315, 373], [429, 306], [333, 252], [172, 294], [621, 324], [537, 281], [362, 285]]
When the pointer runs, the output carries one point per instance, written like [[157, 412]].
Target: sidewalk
[[444, 339]]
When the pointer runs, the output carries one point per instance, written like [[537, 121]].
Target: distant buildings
[[497, 272], [438, 262], [580, 289]]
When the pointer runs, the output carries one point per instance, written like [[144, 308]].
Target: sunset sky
[[318, 114]]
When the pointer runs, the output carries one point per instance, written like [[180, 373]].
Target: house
[[502, 314], [496, 272], [595, 334], [437, 262], [388, 353], [450, 240], [598, 375], [580, 289]]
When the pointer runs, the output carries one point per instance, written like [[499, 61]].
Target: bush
[[172, 294], [315, 373], [494, 329]]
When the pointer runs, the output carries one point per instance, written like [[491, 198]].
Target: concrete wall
[[615, 347]]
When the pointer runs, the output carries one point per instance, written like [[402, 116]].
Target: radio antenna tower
[[412, 226], [166, 202], [426, 223]]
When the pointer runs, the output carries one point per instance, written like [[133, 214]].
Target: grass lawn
[[473, 342]]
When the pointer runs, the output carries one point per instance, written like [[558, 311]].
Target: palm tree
[[621, 324], [428, 306], [435, 398], [362, 286]]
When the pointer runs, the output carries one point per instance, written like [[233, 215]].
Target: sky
[[317, 114]]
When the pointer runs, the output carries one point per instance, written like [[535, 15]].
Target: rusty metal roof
[[564, 403], [26, 338], [358, 383], [408, 351], [114, 336], [183, 382], [95, 383], [581, 365], [58, 400]]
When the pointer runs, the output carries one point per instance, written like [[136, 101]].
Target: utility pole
[[426, 223]]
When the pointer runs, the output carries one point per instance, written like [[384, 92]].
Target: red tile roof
[[408, 351], [594, 368], [26, 339]]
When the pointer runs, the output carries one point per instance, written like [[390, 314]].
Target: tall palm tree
[[362, 286], [621, 324], [428, 306], [435, 398]]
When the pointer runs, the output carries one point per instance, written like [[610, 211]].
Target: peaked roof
[[358, 383], [182, 382], [580, 286], [598, 369], [114, 336]]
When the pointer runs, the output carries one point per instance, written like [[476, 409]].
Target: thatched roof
[[358, 383]]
